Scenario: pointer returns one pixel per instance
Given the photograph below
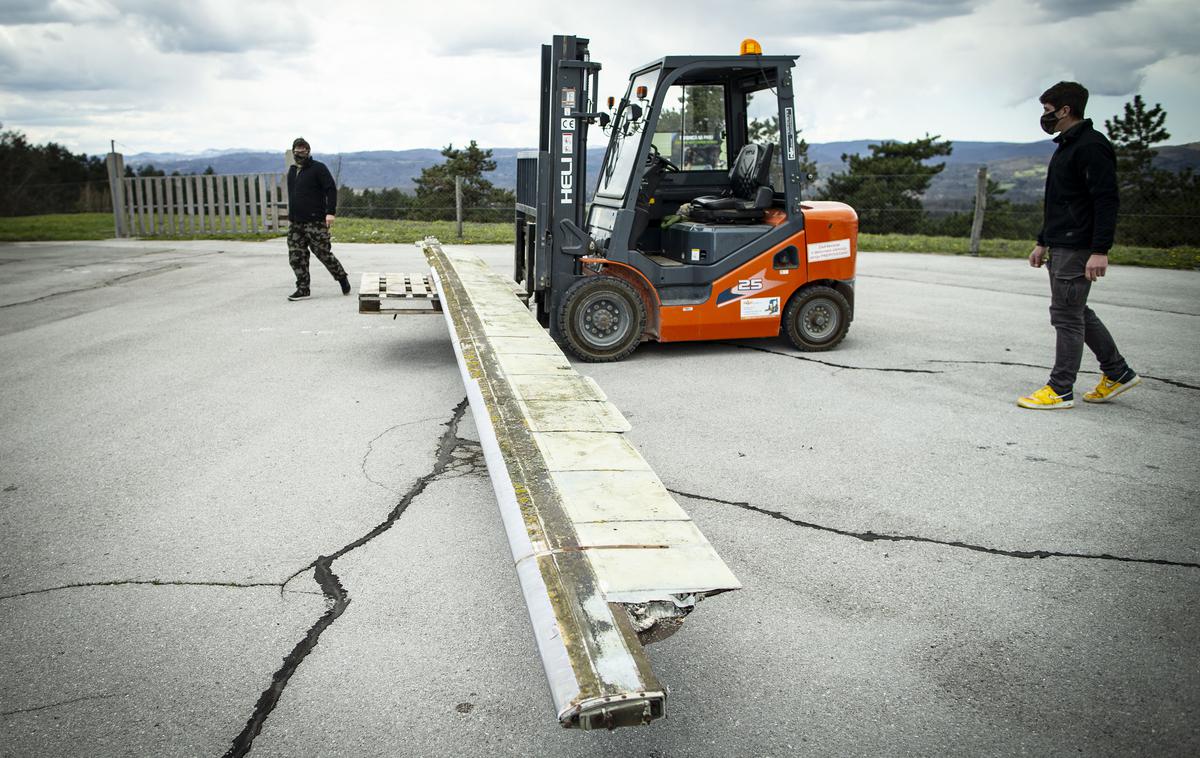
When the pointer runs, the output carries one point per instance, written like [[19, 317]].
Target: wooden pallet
[[397, 293]]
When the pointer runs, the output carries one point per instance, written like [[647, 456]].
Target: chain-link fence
[[397, 205], [21, 199], [1150, 215]]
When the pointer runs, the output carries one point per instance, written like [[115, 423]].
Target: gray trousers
[[1075, 323]]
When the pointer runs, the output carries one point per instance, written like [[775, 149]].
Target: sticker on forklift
[[568, 144], [828, 251], [568, 97], [789, 122], [760, 307], [568, 124]]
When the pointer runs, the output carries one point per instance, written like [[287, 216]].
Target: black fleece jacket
[[1081, 192], [311, 192]]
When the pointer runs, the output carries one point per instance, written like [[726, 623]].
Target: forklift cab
[[696, 229], [700, 132]]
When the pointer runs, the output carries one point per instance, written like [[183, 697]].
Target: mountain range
[[1019, 167]]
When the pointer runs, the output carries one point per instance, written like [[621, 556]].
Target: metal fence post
[[115, 163], [980, 207], [458, 209]]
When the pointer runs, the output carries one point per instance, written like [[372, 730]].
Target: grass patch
[[1126, 255], [407, 232], [89, 226], [57, 227], [98, 226]]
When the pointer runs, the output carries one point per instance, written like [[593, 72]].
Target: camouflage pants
[[312, 236]]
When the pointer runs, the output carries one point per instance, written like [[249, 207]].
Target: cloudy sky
[[372, 75]]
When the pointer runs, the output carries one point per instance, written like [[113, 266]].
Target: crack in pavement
[[335, 593], [1022, 294], [875, 537], [831, 364], [467, 459], [126, 259], [56, 705], [760, 349], [1048, 368], [101, 285], [371, 449], [151, 582]]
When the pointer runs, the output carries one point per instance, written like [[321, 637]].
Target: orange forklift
[[696, 229]]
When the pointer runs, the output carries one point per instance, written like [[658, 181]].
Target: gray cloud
[[220, 26], [143, 47], [23, 12], [65, 112], [1056, 10], [1114, 57], [198, 26], [10, 59], [75, 59], [19, 12], [713, 24], [848, 17], [513, 40], [14, 12]]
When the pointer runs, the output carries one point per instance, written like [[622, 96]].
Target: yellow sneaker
[[1046, 399], [1107, 389]]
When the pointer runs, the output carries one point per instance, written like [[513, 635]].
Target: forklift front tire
[[602, 318], [817, 318]]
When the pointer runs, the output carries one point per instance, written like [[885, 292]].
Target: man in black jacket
[[312, 203], [1077, 232]]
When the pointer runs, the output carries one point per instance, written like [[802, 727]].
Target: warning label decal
[[828, 251]]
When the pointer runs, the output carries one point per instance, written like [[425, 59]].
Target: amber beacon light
[[751, 47]]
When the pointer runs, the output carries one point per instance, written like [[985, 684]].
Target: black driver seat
[[749, 193]]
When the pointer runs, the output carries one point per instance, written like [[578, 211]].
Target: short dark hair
[[1071, 94], [301, 141]]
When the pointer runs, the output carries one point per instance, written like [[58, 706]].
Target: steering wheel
[[655, 159]]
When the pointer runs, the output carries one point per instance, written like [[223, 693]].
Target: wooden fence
[[204, 204]]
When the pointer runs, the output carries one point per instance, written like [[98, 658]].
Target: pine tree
[[885, 188], [435, 185], [1132, 137], [1158, 207]]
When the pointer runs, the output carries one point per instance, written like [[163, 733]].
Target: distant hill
[[1019, 167]]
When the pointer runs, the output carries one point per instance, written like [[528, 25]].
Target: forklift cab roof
[[720, 62], [748, 71]]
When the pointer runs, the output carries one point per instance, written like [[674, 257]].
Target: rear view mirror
[[635, 111]]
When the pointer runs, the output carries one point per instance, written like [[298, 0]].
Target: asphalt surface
[[188, 460]]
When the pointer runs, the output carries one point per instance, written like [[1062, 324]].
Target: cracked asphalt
[[234, 525]]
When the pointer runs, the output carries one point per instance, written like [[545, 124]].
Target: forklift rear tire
[[817, 319], [602, 318]]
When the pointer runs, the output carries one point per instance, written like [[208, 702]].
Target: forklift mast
[[552, 182]]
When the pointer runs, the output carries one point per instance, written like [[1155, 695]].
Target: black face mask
[[1049, 121]]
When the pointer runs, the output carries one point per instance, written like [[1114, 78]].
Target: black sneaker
[[345, 282], [299, 294]]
